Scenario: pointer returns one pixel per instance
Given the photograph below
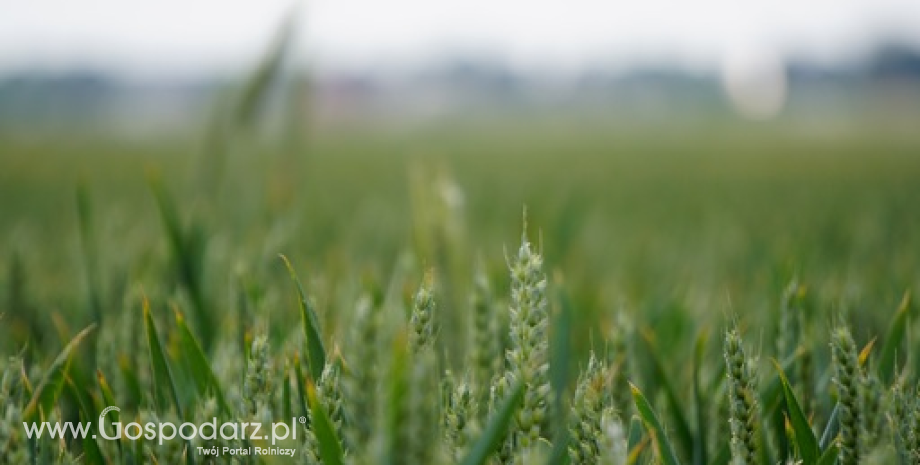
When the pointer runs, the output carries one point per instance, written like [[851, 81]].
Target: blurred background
[[93, 62], [672, 154]]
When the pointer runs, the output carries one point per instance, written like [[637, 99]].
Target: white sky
[[169, 37]]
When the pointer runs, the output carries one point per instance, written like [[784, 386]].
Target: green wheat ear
[[528, 360], [903, 408], [329, 392], [14, 447], [914, 427], [485, 348], [848, 380], [619, 362], [359, 382], [588, 406], [423, 395], [421, 323], [461, 414], [258, 385], [744, 417]]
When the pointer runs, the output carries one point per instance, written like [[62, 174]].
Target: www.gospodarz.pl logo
[[168, 431]]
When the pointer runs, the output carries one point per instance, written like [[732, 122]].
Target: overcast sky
[[179, 37]]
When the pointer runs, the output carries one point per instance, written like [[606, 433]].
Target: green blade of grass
[[91, 451], [724, 455], [79, 395], [635, 441], [560, 354], [106, 391], [86, 411], [301, 388], [829, 457], [129, 375], [286, 393], [201, 368], [109, 399], [256, 88], [160, 369], [316, 353], [187, 246], [52, 383], [26, 384], [765, 451], [771, 396], [88, 250], [888, 357], [647, 413], [634, 435], [396, 411], [682, 427], [804, 436], [699, 440], [830, 432], [497, 428], [866, 352], [330, 447], [139, 452]]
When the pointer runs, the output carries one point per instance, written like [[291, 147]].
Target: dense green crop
[[385, 396], [661, 317]]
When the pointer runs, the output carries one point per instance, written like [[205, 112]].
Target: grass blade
[[634, 436], [86, 412], [723, 456], [109, 400], [160, 369], [132, 384], [88, 250], [888, 358], [560, 354], [91, 451], [286, 394], [804, 436], [50, 387], [662, 445], [330, 447], [201, 368], [866, 352], [301, 388], [187, 246], [683, 433], [255, 90], [316, 353], [495, 431], [830, 432], [829, 457], [699, 440], [636, 442]]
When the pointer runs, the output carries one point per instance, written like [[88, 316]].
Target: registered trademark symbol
[[303, 420]]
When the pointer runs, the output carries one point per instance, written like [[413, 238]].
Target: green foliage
[[402, 351], [330, 446], [497, 428], [806, 441], [316, 352], [375, 386], [663, 446], [849, 382], [47, 392], [745, 410]]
